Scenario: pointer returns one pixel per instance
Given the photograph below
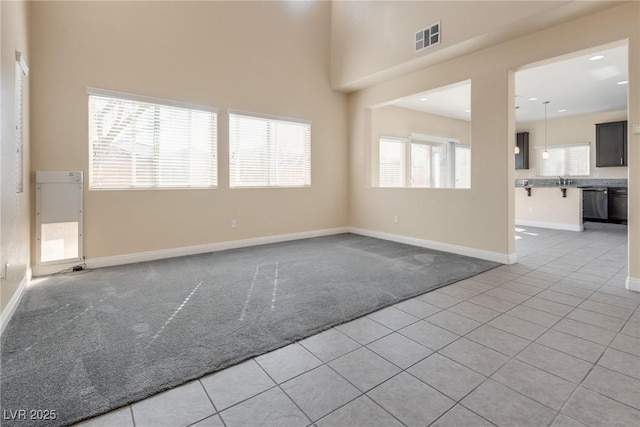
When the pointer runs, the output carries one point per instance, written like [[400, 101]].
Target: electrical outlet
[[636, 129], [234, 223], [396, 219]]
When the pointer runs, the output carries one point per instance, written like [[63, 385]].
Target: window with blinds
[[145, 143], [268, 151], [463, 167], [392, 162], [566, 160], [21, 72], [423, 162]]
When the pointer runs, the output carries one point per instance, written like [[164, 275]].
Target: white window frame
[[449, 148], [156, 183], [564, 167], [449, 144], [272, 164]]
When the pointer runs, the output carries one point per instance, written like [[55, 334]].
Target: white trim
[[551, 225], [190, 250], [431, 138], [390, 138], [233, 112], [445, 247], [8, 311], [632, 284], [92, 91], [575, 144], [22, 63]]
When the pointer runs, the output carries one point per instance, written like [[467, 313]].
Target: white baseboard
[[551, 225], [633, 284], [445, 247], [190, 250], [8, 311]]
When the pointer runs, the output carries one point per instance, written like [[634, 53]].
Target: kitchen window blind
[[267, 151], [564, 160], [145, 143]]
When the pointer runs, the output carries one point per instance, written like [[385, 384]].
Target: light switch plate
[[636, 129]]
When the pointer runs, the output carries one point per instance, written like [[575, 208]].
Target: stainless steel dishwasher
[[618, 204], [595, 203]]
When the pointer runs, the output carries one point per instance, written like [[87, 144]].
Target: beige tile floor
[[552, 340]]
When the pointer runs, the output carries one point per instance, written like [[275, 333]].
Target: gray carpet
[[88, 343]]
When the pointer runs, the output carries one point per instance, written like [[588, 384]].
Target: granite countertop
[[575, 183]]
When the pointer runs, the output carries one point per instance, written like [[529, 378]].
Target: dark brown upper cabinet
[[522, 158], [611, 144]]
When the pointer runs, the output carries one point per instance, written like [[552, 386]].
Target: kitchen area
[[571, 141], [566, 202]]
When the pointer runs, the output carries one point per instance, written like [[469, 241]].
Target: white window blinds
[[19, 148], [145, 143], [463, 167], [569, 160], [268, 152], [392, 162]]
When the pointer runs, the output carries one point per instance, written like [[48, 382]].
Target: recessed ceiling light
[[562, 111], [623, 82], [467, 111], [596, 57], [424, 99], [533, 99]]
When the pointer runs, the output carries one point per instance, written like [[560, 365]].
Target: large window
[[144, 143], [434, 162], [565, 160], [268, 151]]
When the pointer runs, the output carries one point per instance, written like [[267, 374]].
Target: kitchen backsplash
[[575, 182]]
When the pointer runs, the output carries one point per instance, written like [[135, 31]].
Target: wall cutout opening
[[423, 140]]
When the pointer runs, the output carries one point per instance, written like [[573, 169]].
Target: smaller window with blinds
[[266, 151], [564, 160], [138, 142], [392, 166], [21, 72]]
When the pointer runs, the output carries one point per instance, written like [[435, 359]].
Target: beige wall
[[482, 217], [570, 130], [15, 211], [401, 122], [547, 208], [462, 217], [373, 40], [267, 57]]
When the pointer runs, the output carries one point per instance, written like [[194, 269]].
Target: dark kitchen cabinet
[[522, 158], [611, 144]]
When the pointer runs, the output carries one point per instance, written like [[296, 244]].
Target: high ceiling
[[587, 82]]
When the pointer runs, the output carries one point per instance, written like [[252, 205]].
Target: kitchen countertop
[[575, 183]]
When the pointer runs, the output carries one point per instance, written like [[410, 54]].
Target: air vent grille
[[427, 37]]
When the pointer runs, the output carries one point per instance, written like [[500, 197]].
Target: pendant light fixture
[[545, 154]]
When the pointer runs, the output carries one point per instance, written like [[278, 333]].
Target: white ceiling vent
[[427, 37]]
